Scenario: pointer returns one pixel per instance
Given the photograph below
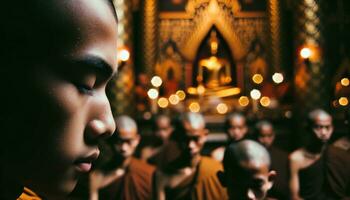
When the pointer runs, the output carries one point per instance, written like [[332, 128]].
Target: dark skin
[[246, 172], [65, 110]]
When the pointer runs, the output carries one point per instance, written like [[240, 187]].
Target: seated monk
[[236, 129], [338, 162], [307, 164], [185, 174], [129, 178], [247, 173], [265, 135]]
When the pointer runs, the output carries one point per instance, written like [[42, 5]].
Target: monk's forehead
[[69, 20], [254, 167], [237, 120], [127, 133]]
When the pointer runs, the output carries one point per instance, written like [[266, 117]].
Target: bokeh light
[[174, 99], [194, 107], [124, 55], [258, 78], [243, 101], [345, 82], [222, 108], [156, 81], [163, 102], [305, 52], [343, 101], [277, 77], [181, 94], [153, 93], [255, 94], [265, 101]]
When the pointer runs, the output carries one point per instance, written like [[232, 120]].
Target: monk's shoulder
[[209, 166], [141, 167], [297, 158]]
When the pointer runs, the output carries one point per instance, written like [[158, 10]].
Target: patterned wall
[[188, 29]]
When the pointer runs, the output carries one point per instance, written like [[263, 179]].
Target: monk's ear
[[137, 139], [221, 177], [272, 176]]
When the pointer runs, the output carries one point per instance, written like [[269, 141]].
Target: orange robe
[[28, 195], [204, 186], [338, 172], [136, 184]]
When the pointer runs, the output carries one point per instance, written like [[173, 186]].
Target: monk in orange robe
[[185, 174], [129, 178]]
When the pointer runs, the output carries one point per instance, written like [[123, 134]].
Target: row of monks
[[248, 167]]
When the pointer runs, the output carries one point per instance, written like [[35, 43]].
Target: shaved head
[[125, 123], [236, 126], [126, 138], [246, 171], [318, 113], [195, 120], [320, 125], [247, 151]]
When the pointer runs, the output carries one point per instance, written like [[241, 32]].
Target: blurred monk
[[247, 174], [266, 135], [236, 129], [307, 164], [185, 174], [129, 178]]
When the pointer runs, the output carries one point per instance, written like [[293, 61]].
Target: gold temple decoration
[[150, 35], [206, 16], [311, 80], [193, 5], [213, 66], [120, 88], [274, 12]]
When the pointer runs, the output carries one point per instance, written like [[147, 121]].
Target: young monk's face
[[266, 136], [126, 142], [194, 139], [237, 128], [249, 181], [323, 127], [67, 110]]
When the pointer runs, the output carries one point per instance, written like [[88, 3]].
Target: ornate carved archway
[[206, 17]]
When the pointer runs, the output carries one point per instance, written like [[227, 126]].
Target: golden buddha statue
[[218, 70]]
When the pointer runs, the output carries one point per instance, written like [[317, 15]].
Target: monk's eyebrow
[[96, 64]]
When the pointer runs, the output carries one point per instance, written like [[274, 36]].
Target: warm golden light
[[200, 89], [258, 78], [156, 81], [222, 108], [153, 93], [305, 52], [192, 90], [174, 99], [124, 55], [163, 102], [265, 101], [243, 101], [255, 94], [194, 107], [345, 82], [181, 94], [343, 101], [277, 77]]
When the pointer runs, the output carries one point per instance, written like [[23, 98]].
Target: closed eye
[[85, 89]]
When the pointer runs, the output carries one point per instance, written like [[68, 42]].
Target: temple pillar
[[312, 81], [278, 57], [150, 35], [120, 89]]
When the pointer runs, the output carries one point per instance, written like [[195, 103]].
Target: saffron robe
[[204, 185], [135, 184], [28, 195]]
